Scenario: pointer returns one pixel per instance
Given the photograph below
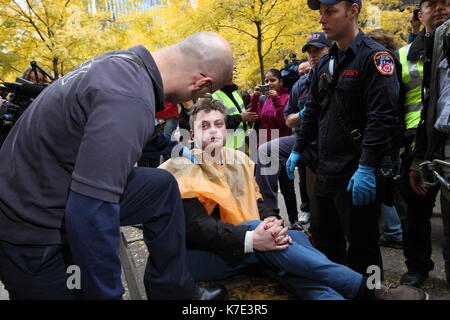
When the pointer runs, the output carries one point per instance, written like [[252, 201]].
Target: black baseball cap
[[317, 39], [315, 4]]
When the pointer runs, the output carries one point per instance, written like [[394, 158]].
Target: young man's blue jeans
[[308, 272]]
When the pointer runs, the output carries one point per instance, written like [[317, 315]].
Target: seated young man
[[223, 208]]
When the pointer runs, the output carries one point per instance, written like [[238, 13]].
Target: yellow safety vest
[[236, 140], [412, 75]]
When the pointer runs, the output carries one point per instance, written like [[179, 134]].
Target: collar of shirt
[[229, 89], [352, 49], [417, 49], [154, 73]]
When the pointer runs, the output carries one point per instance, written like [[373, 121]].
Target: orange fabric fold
[[231, 185]]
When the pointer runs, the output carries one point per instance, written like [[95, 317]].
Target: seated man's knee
[[299, 237], [252, 225]]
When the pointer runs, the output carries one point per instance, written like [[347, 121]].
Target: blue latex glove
[[363, 186], [294, 157], [187, 154], [300, 113]]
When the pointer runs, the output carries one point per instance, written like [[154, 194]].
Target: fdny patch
[[314, 36], [385, 63]]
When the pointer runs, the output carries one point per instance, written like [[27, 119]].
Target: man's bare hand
[[249, 116], [278, 230], [417, 184], [257, 90], [266, 234]]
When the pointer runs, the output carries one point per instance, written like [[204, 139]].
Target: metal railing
[[431, 174]]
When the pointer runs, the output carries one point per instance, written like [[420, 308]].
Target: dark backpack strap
[[262, 100], [345, 121]]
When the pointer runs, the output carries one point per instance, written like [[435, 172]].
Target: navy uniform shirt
[[366, 75], [83, 133], [299, 93]]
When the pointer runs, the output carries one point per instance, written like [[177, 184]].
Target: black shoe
[[212, 292], [297, 226], [413, 279], [396, 244]]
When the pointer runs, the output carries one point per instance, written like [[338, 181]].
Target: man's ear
[[192, 134], [355, 10], [202, 82]]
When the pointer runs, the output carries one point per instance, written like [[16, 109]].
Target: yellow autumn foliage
[[60, 34]]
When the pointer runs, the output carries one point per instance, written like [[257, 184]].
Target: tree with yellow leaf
[[58, 34], [262, 32]]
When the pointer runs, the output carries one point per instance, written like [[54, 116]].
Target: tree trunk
[[260, 55], [55, 68]]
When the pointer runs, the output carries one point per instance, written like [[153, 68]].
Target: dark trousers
[[336, 222], [151, 198], [445, 207], [417, 231], [288, 191], [269, 173]]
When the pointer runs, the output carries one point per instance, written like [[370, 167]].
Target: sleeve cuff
[[94, 192], [248, 246], [370, 159]]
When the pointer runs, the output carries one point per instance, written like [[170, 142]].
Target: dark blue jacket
[[370, 100], [299, 94]]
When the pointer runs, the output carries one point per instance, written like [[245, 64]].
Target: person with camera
[[68, 179], [351, 111], [416, 59], [316, 47], [270, 108]]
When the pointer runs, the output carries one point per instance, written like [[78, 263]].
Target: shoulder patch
[[384, 63]]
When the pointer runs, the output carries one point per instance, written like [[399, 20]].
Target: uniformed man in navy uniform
[[67, 179], [351, 111]]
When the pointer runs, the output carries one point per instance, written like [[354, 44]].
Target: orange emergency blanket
[[231, 184]]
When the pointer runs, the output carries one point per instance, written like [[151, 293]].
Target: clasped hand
[[271, 234]]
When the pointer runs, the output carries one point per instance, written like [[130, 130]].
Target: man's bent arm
[[93, 231], [209, 234]]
